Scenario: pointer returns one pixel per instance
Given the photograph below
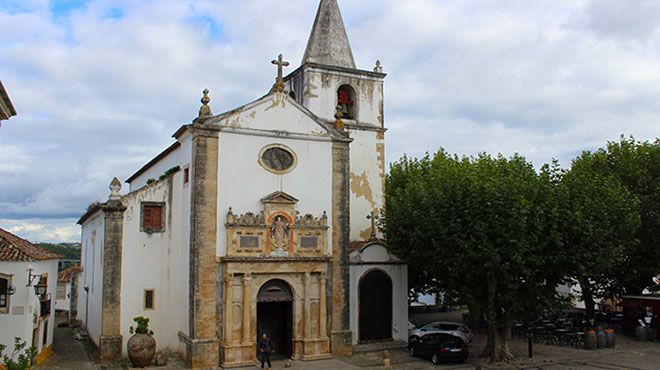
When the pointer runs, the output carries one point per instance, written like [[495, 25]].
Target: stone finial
[[279, 83], [115, 188], [205, 110], [379, 67], [339, 124]]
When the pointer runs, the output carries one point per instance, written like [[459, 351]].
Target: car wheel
[[411, 352], [435, 359]]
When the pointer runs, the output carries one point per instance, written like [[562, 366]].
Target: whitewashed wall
[[153, 261], [242, 181], [367, 182], [89, 311], [320, 94], [64, 304], [19, 321]]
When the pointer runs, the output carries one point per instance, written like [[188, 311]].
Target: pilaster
[[203, 350], [340, 334], [110, 344]]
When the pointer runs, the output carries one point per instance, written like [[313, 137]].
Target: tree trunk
[[502, 352], [588, 298]]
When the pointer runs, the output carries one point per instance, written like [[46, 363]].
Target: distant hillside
[[69, 251]]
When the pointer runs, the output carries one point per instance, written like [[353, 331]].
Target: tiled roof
[[13, 248], [65, 276]]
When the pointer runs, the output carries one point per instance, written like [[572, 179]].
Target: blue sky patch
[[215, 30], [114, 13], [62, 8]]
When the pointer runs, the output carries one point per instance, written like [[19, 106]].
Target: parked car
[[411, 328], [446, 327], [439, 348]]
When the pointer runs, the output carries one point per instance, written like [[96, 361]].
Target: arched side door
[[375, 307]]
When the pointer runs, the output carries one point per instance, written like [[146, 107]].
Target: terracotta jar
[[141, 350]]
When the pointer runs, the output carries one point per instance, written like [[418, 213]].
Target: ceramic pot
[[590, 341], [141, 350], [610, 340]]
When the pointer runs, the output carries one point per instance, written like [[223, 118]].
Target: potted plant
[[142, 345], [17, 360], [590, 341], [601, 338], [610, 338]]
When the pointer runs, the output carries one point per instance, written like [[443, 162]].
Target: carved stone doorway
[[275, 317], [375, 307]]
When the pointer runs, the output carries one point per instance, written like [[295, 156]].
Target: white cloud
[[99, 91], [44, 230]]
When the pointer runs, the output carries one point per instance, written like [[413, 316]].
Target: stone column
[[341, 338], [306, 309], [203, 350], [229, 298], [247, 280], [323, 311], [110, 344]]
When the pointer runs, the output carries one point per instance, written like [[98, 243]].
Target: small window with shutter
[[153, 217], [149, 298]]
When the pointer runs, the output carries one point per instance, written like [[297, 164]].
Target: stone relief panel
[[277, 231]]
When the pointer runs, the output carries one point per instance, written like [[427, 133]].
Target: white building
[[66, 297], [243, 225], [23, 313]]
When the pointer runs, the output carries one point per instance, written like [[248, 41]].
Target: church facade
[[258, 220]]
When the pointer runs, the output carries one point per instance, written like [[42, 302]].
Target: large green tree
[[599, 219], [637, 166], [483, 230]]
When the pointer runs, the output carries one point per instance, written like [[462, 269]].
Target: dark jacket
[[265, 346]]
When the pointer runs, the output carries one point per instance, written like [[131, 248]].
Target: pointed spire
[[328, 43]]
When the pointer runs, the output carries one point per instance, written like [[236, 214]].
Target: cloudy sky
[[101, 85]]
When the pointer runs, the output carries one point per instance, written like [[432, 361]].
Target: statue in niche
[[279, 237]]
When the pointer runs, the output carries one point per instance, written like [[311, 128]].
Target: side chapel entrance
[[275, 317], [375, 307]]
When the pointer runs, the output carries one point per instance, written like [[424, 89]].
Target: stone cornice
[[273, 259]]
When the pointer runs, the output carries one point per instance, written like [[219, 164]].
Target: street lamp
[[41, 287]]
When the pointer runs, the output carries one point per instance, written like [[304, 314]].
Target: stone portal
[[275, 317]]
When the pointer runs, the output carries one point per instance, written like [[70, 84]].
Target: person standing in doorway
[[264, 351]]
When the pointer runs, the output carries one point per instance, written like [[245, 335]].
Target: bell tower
[[328, 80]]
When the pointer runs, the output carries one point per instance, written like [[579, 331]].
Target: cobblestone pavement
[[630, 355]]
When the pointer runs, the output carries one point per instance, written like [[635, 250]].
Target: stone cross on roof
[[280, 63], [373, 217]]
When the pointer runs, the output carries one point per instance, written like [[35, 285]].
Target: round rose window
[[277, 159]]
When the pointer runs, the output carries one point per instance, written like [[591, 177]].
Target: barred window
[[153, 217]]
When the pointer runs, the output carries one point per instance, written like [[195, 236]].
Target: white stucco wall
[[153, 261], [89, 311], [367, 181], [319, 94], [242, 181], [19, 322], [65, 303]]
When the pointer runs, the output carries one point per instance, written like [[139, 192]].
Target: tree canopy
[[481, 229]]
